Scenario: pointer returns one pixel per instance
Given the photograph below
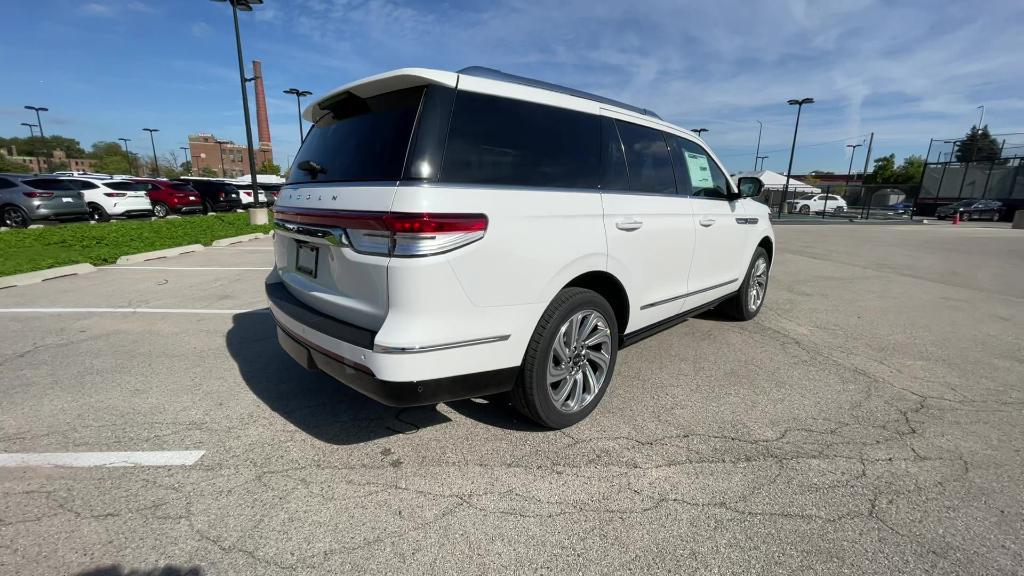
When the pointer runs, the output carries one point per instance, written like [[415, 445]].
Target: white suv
[[108, 197], [451, 235]]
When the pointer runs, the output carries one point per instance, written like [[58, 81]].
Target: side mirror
[[749, 187]]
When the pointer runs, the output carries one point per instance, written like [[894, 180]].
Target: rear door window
[[5, 183], [647, 159], [359, 139], [494, 140]]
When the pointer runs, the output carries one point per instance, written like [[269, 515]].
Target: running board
[[638, 335]]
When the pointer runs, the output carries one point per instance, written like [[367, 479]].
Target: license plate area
[[307, 258]]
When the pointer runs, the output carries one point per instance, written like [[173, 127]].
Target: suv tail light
[[38, 194], [398, 234], [115, 194]]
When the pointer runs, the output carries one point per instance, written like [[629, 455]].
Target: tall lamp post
[[220, 147], [189, 162], [760, 126], [299, 95], [699, 131], [127, 155], [31, 129], [762, 159], [256, 215], [42, 135], [853, 152], [152, 142], [792, 149]]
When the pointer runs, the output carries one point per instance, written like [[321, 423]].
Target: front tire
[[748, 300], [569, 362], [805, 209]]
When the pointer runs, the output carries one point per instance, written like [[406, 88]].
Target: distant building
[[45, 164], [231, 160]]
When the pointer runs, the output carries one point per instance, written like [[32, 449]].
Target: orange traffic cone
[[956, 218]]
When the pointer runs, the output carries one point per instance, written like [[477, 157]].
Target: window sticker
[[700, 172]]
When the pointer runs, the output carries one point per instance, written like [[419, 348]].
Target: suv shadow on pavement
[[328, 410]]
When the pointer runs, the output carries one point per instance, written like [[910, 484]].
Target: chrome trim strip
[[688, 294], [381, 349], [329, 235]]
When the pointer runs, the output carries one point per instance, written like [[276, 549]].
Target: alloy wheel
[[579, 360], [14, 218], [159, 210], [758, 284]]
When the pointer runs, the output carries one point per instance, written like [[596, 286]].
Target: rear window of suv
[[50, 184], [128, 186], [359, 139]]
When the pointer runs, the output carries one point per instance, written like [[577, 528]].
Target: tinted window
[[613, 160], [48, 184], [427, 147], [81, 184], [127, 186], [183, 187], [5, 183], [358, 139], [705, 178], [496, 140], [647, 158]]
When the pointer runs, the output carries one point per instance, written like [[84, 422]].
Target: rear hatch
[[127, 194], [185, 194], [335, 232], [54, 194]]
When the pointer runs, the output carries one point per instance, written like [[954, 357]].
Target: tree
[[207, 172], [8, 165], [269, 167], [36, 146], [978, 146], [186, 167], [909, 172], [884, 170], [110, 158], [169, 165]]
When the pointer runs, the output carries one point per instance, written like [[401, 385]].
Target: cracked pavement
[[869, 421]]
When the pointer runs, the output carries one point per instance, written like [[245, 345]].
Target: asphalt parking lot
[[869, 421]]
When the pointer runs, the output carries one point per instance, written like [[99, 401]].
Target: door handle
[[706, 221], [629, 224]]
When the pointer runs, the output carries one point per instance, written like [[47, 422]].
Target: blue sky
[[906, 70]]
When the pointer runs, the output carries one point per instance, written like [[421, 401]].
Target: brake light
[[398, 234], [115, 194], [38, 194], [246, 193]]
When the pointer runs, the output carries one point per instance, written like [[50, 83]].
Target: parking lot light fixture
[[220, 147], [127, 155], [299, 95], [152, 142], [189, 162], [31, 129], [246, 6], [853, 152], [39, 119], [792, 149], [762, 159], [699, 131], [760, 127]]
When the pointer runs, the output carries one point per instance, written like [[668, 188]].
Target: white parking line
[[103, 459], [183, 268], [126, 310]]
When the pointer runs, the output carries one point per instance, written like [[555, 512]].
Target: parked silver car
[[25, 198]]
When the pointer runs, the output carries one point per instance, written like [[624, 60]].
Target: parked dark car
[[217, 195], [169, 196], [25, 198], [972, 209]]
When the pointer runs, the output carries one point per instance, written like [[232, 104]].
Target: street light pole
[[185, 148], [760, 126], [31, 129], [220, 147], [699, 131], [853, 152], [156, 163], [42, 135], [127, 155], [299, 95], [981, 121], [246, 6], [792, 149], [762, 159]]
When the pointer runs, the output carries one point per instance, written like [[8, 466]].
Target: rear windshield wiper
[[311, 168]]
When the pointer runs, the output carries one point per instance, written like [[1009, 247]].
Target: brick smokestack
[[262, 122]]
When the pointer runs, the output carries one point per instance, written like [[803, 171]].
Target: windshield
[[806, 197], [359, 139]]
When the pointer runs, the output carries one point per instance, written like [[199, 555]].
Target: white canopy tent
[[776, 181]]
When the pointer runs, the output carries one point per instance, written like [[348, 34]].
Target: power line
[[837, 141]]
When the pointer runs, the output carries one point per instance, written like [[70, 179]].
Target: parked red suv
[[170, 196]]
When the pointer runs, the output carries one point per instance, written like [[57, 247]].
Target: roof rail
[[492, 74]]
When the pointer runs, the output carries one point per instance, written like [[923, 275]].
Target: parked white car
[[817, 203], [110, 197], [431, 248]]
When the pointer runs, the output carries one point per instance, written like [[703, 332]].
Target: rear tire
[[160, 210], [98, 214], [15, 217], [569, 361], [745, 304], [965, 216]]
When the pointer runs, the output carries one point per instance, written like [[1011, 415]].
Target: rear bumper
[[416, 393], [346, 352]]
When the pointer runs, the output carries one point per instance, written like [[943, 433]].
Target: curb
[[43, 275], [165, 253], [236, 239]]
